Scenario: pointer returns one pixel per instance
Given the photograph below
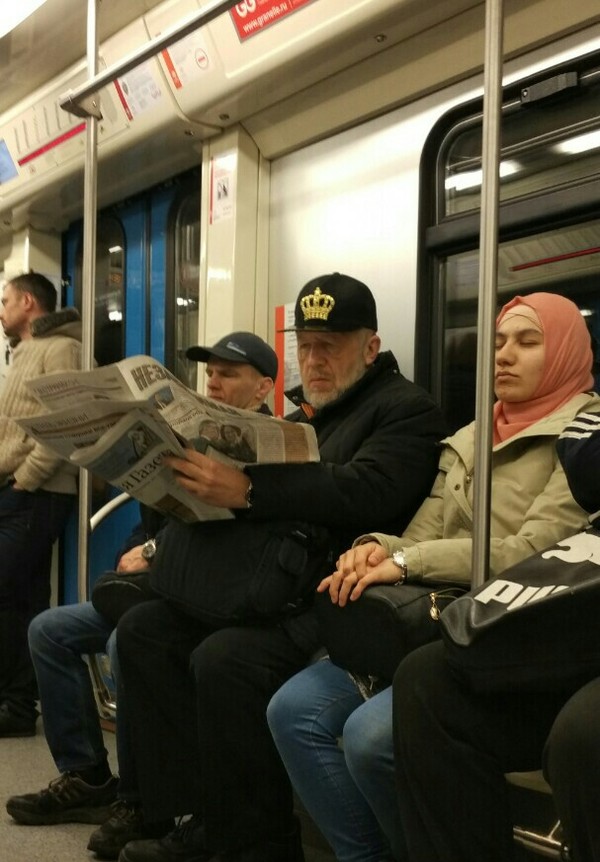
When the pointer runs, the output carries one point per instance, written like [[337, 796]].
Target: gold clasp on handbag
[[445, 596]]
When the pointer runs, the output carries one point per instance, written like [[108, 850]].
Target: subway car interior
[[180, 168]]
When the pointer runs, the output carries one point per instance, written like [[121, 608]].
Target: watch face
[[149, 549]]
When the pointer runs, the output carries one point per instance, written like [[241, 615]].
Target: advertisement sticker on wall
[[253, 16]]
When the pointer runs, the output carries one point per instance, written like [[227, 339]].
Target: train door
[[146, 302], [549, 219]]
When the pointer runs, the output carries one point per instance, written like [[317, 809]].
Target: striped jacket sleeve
[[579, 451]]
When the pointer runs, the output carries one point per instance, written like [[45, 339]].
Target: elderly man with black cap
[[241, 370], [198, 696]]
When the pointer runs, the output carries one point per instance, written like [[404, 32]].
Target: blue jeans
[[348, 790], [58, 640]]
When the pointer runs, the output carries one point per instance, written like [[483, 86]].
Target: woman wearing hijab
[[542, 380]]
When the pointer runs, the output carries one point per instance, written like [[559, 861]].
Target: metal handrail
[[107, 705], [80, 101], [488, 289], [105, 510]]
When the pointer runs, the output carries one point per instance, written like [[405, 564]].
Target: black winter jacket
[[378, 458], [378, 461]]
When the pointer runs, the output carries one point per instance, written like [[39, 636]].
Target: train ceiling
[[330, 65], [54, 38]]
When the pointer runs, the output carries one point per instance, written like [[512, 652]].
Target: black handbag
[[372, 635], [114, 593], [242, 572], [533, 628]]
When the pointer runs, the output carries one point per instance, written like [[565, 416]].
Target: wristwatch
[[249, 496], [149, 549], [399, 560]]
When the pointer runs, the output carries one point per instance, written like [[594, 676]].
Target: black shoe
[[126, 823], [184, 844], [13, 725], [287, 848], [67, 799]]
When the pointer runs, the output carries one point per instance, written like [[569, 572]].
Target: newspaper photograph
[[130, 457], [119, 421]]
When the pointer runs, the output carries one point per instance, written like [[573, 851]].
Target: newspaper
[[119, 421]]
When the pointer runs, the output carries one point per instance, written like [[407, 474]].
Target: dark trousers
[[30, 523], [197, 702], [452, 748], [572, 766]]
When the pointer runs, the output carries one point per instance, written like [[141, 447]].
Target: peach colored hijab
[[567, 363]]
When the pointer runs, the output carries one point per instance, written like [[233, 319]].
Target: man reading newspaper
[[198, 695], [122, 420], [241, 370]]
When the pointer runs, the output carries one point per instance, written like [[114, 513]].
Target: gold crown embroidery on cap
[[317, 305]]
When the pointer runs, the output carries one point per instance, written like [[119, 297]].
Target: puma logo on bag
[[515, 595], [583, 546], [575, 549]]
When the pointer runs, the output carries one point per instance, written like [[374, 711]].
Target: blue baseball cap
[[242, 347]]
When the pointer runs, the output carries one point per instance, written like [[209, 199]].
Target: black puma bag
[[536, 627]]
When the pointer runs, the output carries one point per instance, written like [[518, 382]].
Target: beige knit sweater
[[55, 346]]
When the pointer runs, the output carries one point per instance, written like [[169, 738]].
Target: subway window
[[183, 296], [549, 219], [109, 307]]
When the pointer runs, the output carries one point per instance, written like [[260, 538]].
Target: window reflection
[[187, 286], [110, 290], [565, 261], [543, 146]]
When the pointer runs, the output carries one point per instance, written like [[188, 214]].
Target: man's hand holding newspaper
[[136, 426], [212, 481]]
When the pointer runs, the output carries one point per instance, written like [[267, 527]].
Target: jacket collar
[[385, 363], [462, 441], [42, 326]]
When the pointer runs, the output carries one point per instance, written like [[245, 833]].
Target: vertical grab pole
[[488, 284], [88, 291]]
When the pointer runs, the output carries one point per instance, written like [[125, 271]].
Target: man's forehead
[[226, 365], [314, 337]]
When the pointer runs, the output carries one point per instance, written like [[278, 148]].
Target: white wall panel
[[349, 202]]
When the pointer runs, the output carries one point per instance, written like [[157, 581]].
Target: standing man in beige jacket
[[37, 489]]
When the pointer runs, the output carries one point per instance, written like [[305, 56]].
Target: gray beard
[[319, 401]]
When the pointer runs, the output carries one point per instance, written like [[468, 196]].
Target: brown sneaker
[[67, 799]]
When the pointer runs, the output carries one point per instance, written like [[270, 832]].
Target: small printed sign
[[223, 170], [186, 60], [285, 348], [138, 90]]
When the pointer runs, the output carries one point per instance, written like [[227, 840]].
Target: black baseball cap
[[334, 303], [240, 347]]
